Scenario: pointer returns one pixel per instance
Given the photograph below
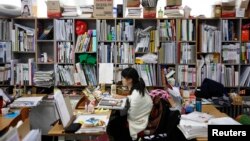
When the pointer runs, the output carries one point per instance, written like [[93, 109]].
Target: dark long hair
[[137, 82]]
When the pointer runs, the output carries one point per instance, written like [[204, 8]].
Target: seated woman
[[140, 105]]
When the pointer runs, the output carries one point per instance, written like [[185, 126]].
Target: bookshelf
[[178, 43]]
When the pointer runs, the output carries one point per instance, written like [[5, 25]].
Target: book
[[26, 9], [112, 103]]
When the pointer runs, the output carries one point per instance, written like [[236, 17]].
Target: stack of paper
[[173, 11], [70, 11], [192, 129], [134, 12], [44, 78], [26, 102], [194, 124], [87, 11]]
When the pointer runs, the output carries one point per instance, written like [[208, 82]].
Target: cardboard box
[[149, 12], [174, 2], [133, 3], [54, 9]]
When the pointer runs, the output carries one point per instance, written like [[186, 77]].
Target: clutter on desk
[[26, 102]]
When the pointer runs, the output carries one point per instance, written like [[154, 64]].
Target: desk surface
[[57, 129], [210, 109], [5, 123]]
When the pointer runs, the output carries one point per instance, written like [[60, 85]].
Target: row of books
[[186, 75], [5, 52], [229, 31], [64, 30], [86, 42], [167, 30], [5, 74], [227, 75], [210, 38], [125, 31], [105, 31], [5, 29], [106, 53], [148, 73], [24, 39], [65, 52], [230, 53], [22, 73], [167, 53], [245, 53], [187, 52], [76, 75], [188, 30], [125, 53]]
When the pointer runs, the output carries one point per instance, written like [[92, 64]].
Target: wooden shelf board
[[85, 52], [24, 52], [45, 41]]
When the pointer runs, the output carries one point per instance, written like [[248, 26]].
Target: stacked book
[[87, 11], [70, 11], [134, 12], [173, 11], [44, 78]]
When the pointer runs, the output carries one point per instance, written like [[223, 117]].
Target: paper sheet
[[11, 135], [106, 73], [62, 108]]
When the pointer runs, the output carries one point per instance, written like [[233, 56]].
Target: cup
[[5, 111]]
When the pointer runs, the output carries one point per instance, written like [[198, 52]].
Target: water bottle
[[198, 105]]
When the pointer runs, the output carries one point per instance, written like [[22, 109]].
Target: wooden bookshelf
[[50, 45]]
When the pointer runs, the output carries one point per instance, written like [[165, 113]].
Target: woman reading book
[[126, 128]]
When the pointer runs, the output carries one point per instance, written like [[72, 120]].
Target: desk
[[58, 130], [210, 109], [5, 123]]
